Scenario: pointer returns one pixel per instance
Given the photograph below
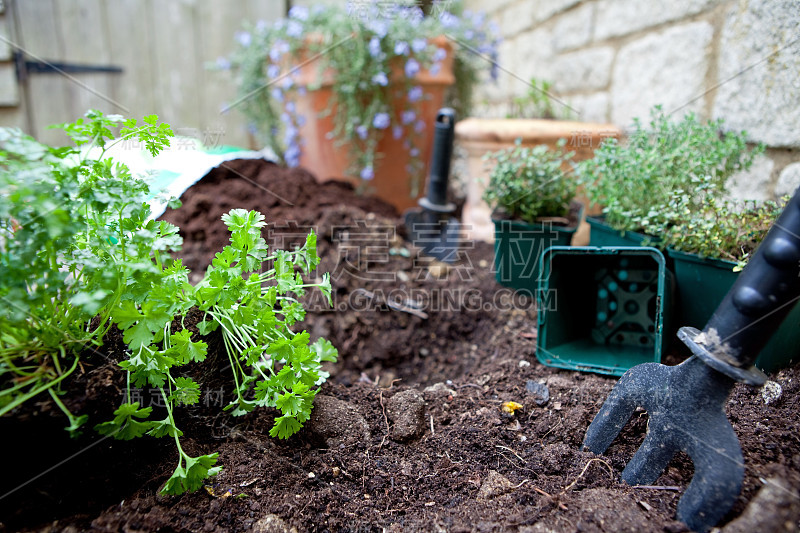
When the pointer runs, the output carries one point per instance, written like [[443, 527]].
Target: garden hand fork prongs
[[685, 403]]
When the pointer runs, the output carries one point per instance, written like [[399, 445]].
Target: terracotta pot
[[479, 136], [329, 159]]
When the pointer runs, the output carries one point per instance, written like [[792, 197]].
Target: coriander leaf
[[325, 350], [188, 350], [285, 426], [289, 403], [124, 426], [163, 428], [187, 391]]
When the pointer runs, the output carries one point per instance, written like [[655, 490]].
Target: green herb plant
[[537, 102], [721, 228], [528, 183], [73, 232], [636, 181], [80, 254]]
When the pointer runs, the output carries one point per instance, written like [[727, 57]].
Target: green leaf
[[285, 426], [325, 350], [188, 350], [164, 428], [207, 326], [187, 391], [191, 477], [124, 426], [126, 314], [289, 404], [138, 336]]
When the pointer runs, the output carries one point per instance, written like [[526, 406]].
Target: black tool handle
[[765, 292], [442, 153]]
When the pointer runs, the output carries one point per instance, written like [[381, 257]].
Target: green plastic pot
[[518, 246], [703, 283], [602, 234], [602, 310]]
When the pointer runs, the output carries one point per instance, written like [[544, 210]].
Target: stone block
[[666, 68], [752, 184], [616, 18], [585, 70], [574, 28], [517, 18], [788, 180], [591, 107], [759, 72]]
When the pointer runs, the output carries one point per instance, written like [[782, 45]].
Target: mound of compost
[[409, 432]]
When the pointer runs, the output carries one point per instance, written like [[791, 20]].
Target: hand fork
[[685, 403]]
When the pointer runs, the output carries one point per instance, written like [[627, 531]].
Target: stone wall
[[612, 60]]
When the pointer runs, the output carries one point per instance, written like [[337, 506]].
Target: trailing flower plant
[[528, 183], [80, 254], [376, 52]]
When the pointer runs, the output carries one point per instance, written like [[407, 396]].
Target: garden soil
[[409, 432]]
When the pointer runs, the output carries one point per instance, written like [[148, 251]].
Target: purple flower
[[243, 38], [380, 79], [415, 94], [397, 131], [290, 107], [292, 155], [278, 49], [378, 26], [286, 118], [301, 121], [302, 90], [261, 26], [286, 83], [407, 117], [294, 29], [448, 20], [418, 45], [298, 12], [419, 126], [412, 68], [401, 48], [414, 152], [223, 63], [362, 132], [273, 71], [277, 94], [440, 54], [381, 121], [367, 173], [435, 69], [374, 46]]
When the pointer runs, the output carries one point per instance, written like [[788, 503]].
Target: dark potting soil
[[408, 434]]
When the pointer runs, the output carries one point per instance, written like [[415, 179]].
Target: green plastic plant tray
[[702, 284], [602, 309], [518, 246], [601, 234]]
